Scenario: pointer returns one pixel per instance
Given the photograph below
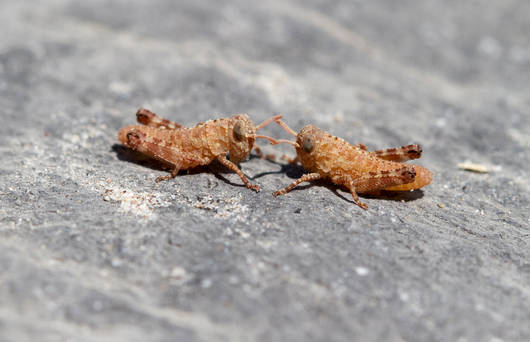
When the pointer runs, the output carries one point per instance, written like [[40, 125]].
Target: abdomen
[[423, 178]]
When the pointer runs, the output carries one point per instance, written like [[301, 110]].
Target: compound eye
[[307, 144], [239, 130]]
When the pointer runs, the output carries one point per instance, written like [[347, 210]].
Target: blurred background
[[91, 250]]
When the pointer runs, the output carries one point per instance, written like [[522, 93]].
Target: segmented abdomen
[[185, 147], [337, 156], [423, 178]]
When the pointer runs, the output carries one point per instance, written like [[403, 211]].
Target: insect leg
[[380, 180], [222, 159], [399, 154], [258, 151], [261, 155], [291, 160], [173, 174], [148, 118], [351, 186], [305, 178]]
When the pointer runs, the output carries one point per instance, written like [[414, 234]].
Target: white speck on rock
[[362, 271], [206, 283], [178, 272], [223, 207], [120, 88], [141, 204], [404, 296], [495, 339], [441, 122]]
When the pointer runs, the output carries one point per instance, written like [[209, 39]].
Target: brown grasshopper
[[184, 148], [353, 166]]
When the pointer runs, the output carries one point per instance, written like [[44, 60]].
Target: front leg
[[222, 159], [305, 178]]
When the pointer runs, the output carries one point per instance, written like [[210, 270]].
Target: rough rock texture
[[91, 249]]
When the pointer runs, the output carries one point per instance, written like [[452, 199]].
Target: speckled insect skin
[[185, 148], [361, 171]]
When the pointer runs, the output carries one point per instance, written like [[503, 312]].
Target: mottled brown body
[[330, 157], [184, 148]]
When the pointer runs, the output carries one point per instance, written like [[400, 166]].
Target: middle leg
[[222, 159], [349, 183]]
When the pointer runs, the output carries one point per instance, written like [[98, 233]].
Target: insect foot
[[183, 148], [353, 166]]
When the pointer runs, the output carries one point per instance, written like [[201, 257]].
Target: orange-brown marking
[[353, 166], [184, 148]]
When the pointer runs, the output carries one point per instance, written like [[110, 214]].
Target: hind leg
[[138, 141], [380, 180], [374, 181], [148, 118], [399, 154]]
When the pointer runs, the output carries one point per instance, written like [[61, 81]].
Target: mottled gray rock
[[91, 249]]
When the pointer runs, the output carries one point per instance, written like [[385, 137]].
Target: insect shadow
[[129, 155], [397, 196], [290, 170], [295, 171]]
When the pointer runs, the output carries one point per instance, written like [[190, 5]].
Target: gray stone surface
[[92, 250]]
